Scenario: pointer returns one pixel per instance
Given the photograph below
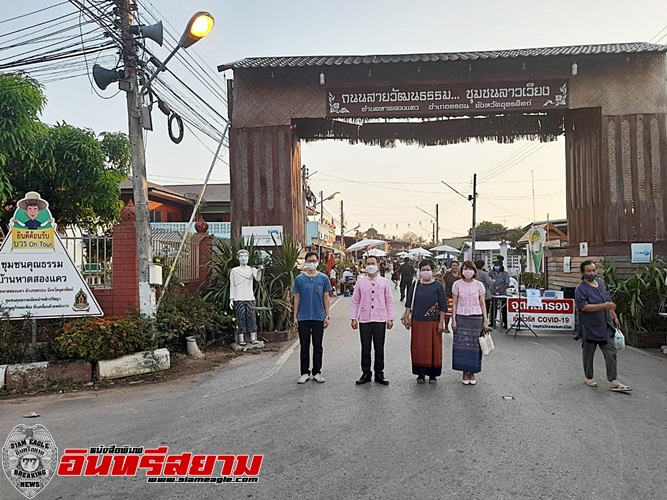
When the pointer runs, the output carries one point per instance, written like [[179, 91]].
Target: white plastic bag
[[619, 340], [486, 343]]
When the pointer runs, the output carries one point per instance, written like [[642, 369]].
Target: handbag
[[486, 343], [619, 340]]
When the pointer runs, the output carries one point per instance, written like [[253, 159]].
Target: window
[[155, 216], [170, 217]]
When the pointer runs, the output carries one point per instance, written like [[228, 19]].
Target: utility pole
[[437, 225], [473, 198], [342, 227], [140, 188], [319, 229]]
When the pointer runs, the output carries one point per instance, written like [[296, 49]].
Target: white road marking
[[279, 364]]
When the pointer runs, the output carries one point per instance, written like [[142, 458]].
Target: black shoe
[[363, 380], [381, 380], [421, 379]]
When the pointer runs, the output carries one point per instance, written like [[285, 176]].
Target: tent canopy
[[375, 252], [361, 245], [445, 248], [420, 252]]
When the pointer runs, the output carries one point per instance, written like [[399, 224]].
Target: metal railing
[[165, 243], [91, 254]]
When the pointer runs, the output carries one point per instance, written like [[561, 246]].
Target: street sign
[[38, 278], [552, 314]]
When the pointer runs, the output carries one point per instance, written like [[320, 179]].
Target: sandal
[[621, 388], [590, 382]]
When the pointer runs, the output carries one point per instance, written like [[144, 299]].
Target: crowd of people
[[437, 301]]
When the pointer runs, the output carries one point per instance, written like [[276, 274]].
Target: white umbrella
[[440, 257], [375, 252], [402, 254], [445, 248], [361, 245], [420, 252]]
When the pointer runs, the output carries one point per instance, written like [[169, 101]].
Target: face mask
[[496, 268], [426, 275], [311, 266], [590, 277], [468, 273], [371, 269], [243, 261]]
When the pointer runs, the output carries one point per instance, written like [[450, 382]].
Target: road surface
[[556, 439]]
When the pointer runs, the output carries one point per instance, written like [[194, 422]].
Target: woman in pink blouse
[[469, 318]]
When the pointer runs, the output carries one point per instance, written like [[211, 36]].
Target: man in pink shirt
[[372, 311]]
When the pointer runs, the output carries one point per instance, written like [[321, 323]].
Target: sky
[[396, 189]]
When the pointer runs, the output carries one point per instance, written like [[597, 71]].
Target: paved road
[[556, 439]]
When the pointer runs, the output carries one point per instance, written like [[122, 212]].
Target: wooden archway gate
[[610, 102]]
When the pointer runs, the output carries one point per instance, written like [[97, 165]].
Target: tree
[[413, 238], [77, 172], [512, 236], [487, 230]]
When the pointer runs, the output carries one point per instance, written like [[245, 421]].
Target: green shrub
[[94, 339], [182, 315], [15, 339]]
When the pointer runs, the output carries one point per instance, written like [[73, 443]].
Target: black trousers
[[404, 287], [311, 330], [374, 333]]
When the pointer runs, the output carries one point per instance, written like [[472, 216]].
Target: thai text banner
[[446, 99]]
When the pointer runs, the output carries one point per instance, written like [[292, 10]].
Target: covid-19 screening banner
[[552, 314]]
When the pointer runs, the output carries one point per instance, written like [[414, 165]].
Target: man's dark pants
[[373, 332], [404, 287], [308, 330]]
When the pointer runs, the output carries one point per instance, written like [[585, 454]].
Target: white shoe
[[318, 378], [303, 379], [472, 382]]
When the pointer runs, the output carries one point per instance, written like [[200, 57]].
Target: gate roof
[[316, 61]]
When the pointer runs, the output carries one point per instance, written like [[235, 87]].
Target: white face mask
[[371, 269], [468, 273], [311, 266], [426, 275]]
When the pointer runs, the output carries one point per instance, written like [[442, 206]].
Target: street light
[[198, 27], [333, 196]]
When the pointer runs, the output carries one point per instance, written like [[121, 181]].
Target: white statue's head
[[243, 256]]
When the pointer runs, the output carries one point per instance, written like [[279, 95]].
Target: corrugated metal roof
[[127, 184], [314, 61], [215, 193]]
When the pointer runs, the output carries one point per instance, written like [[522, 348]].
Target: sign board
[[583, 249], [553, 314], [446, 99], [37, 276], [263, 236], [567, 264], [642, 253]]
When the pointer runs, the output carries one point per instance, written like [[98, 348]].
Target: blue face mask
[[243, 261], [496, 268]]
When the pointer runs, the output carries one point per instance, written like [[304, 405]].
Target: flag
[[331, 264]]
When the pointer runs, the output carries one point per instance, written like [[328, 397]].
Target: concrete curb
[[3, 369], [41, 373], [134, 364]]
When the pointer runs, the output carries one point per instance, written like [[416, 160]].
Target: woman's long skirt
[[426, 348], [466, 353]]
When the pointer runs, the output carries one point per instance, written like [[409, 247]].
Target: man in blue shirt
[[311, 313]]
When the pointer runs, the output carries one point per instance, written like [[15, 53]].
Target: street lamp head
[[335, 195], [199, 26]]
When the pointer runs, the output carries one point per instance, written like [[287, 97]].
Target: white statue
[[242, 297]]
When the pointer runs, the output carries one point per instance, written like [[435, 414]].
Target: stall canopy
[[420, 252], [375, 252], [363, 244], [446, 249]]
